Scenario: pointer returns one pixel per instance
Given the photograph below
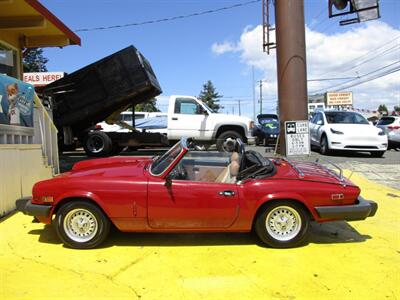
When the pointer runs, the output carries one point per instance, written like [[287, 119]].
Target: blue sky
[[183, 52]]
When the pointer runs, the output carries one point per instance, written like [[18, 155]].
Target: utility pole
[[240, 111], [254, 94], [291, 64], [261, 96]]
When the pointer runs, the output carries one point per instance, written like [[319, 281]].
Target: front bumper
[[25, 205], [359, 211]]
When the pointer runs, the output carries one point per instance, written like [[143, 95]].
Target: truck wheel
[[97, 144], [81, 225], [226, 141], [282, 224]]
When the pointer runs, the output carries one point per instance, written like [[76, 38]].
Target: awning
[[34, 25]]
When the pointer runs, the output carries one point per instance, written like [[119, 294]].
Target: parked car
[[267, 129], [345, 130], [391, 126], [188, 191]]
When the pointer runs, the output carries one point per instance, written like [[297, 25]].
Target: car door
[[316, 129], [192, 205], [189, 118]]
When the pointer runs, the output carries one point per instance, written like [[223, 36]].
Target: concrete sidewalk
[[356, 260]]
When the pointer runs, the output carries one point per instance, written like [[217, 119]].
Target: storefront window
[[8, 61]]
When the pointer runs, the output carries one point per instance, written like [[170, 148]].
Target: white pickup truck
[[190, 117]]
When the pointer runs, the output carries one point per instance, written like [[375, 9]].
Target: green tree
[[210, 96], [383, 109], [396, 108], [149, 106], [33, 60]]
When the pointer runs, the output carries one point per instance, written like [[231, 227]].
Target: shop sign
[[42, 78], [16, 102], [339, 98]]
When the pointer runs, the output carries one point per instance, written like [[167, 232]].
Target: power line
[[359, 77], [354, 60], [196, 14]]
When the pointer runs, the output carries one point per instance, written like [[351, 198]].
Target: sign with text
[[297, 134], [339, 98], [42, 78]]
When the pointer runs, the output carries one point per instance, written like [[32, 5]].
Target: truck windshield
[[161, 163], [208, 108]]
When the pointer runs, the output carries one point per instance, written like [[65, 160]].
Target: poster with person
[[16, 102]]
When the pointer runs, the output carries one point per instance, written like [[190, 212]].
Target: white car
[[345, 130], [391, 125]]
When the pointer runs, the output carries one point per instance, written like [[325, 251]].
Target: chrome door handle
[[174, 119], [227, 193]]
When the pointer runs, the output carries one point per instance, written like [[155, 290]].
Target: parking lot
[[346, 260]]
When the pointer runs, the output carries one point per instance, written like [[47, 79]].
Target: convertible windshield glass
[[345, 117], [269, 122], [162, 163]]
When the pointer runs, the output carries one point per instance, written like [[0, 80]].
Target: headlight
[[336, 131], [381, 132], [251, 124]]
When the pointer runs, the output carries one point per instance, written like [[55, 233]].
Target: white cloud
[[347, 54], [221, 48]]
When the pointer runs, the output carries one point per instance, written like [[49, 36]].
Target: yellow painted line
[[356, 260]]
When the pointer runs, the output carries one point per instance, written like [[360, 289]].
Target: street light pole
[[261, 96]]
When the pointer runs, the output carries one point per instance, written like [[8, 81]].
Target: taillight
[[98, 126], [393, 127]]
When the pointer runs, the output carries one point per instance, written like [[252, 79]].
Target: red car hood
[[110, 162], [310, 172]]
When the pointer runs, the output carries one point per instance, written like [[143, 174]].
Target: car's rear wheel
[[377, 153], [81, 225], [324, 147], [282, 224]]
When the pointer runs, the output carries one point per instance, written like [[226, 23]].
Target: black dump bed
[[89, 95]]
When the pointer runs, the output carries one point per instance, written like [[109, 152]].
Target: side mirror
[[168, 180]]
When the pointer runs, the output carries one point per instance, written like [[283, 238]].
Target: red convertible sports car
[[194, 191]]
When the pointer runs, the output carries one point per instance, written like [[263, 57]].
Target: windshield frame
[[181, 147]]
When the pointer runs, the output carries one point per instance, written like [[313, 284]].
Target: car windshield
[[269, 122], [386, 121], [345, 117], [161, 163]]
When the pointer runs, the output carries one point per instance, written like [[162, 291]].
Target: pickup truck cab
[[189, 116]]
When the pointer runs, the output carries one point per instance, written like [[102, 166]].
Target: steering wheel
[[179, 172]]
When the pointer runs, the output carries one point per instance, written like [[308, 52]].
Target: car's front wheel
[[377, 153], [282, 224], [81, 225], [324, 147]]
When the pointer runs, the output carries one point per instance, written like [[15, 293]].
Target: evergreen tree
[[34, 61], [383, 109], [396, 108], [149, 106], [209, 96]]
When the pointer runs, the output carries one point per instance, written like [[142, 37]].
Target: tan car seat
[[230, 171]]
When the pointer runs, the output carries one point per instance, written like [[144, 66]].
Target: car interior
[[223, 167]]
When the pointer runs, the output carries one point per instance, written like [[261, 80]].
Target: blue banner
[[16, 102]]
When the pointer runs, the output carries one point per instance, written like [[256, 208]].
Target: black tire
[[377, 153], [294, 237], [90, 216], [98, 144], [324, 147], [224, 144]]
